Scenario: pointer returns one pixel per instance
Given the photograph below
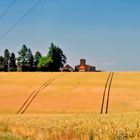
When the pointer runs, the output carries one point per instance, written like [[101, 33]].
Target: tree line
[[26, 61]]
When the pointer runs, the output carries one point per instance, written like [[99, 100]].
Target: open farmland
[[67, 106], [69, 92]]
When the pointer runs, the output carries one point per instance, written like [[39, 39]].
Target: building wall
[[92, 68]]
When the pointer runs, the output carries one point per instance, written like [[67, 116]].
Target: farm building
[[67, 68], [83, 67]]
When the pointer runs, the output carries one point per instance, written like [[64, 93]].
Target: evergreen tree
[[12, 62], [1, 63], [30, 60], [57, 56], [6, 59], [36, 59], [23, 59]]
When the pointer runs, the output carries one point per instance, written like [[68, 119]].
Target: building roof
[[67, 66]]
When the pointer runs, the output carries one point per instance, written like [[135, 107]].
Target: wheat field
[[69, 92], [69, 107]]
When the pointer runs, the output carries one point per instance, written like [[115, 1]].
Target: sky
[[104, 32]]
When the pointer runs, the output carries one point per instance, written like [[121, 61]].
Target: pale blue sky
[[105, 32]]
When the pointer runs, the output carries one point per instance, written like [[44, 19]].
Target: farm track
[[107, 89], [104, 106], [32, 96]]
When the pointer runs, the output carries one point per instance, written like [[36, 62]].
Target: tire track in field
[[107, 89], [103, 99], [32, 96]]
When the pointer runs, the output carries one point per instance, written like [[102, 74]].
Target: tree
[[44, 63], [1, 63], [12, 62], [23, 59], [36, 59], [57, 56], [6, 59], [30, 60]]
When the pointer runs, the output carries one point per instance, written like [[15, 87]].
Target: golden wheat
[[73, 127], [69, 93]]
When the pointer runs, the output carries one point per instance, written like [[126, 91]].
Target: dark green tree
[[12, 62], [44, 63], [30, 60], [57, 56], [1, 63], [36, 59], [23, 59], [6, 59]]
